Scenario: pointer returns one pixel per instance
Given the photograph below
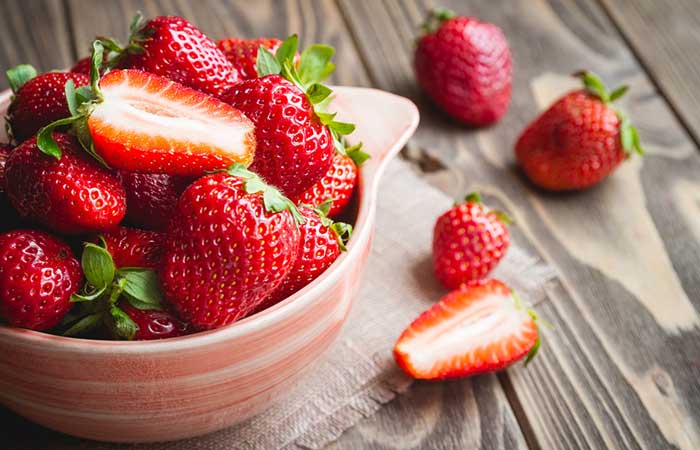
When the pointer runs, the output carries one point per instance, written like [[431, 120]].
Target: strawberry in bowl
[[183, 306]]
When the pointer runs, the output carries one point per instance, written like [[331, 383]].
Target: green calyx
[[629, 137], [475, 197], [81, 101], [97, 301], [520, 306], [314, 66], [19, 75], [273, 199], [342, 230], [436, 17], [354, 152]]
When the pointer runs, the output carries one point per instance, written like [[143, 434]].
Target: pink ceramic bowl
[[188, 386]]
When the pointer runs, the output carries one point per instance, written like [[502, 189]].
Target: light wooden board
[[620, 367]]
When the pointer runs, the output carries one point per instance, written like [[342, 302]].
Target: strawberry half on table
[[481, 328], [140, 122]]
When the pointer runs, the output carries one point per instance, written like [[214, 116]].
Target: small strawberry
[[464, 65], [173, 48], [231, 242], [38, 99], [131, 247], [243, 53], [151, 198], [338, 183], [295, 139], [82, 66], [106, 301], [70, 195], [155, 324], [481, 328], [38, 274], [468, 242], [320, 244], [579, 140]]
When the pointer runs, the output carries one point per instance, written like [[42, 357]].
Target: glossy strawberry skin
[[501, 334], [224, 252], [178, 50], [73, 195], [318, 249], [465, 67], [572, 145], [135, 128], [131, 247], [468, 242], [39, 102], [151, 198], [243, 53], [294, 149], [154, 324], [38, 274], [338, 183], [83, 66], [8, 216]]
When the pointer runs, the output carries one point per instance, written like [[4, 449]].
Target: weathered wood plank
[[670, 54], [33, 32], [620, 368]]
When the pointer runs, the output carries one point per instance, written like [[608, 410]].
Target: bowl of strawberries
[[184, 227]]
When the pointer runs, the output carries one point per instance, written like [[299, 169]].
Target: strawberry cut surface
[[478, 329], [148, 123]]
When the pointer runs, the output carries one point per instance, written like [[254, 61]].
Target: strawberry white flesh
[[148, 123], [475, 330]]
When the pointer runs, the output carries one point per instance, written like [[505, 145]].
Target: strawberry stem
[[436, 17]]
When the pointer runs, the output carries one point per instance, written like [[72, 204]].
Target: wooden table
[[621, 366]]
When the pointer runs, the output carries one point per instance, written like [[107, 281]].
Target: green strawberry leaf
[[435, 19], [266, 63], [88, 296], [98, 266], [287, 49], [324, 208], [85, 325], [635, 142], [594, 85], [83, 94], [137, 23], [356, 154], [341, 128], [142, 289], [533, 351], [95, 65], [315, 65], [473, 197], [45, 140], [619, 92], [503, 217], [71, 99], [317, 93], [19, 75], [325, 117], [626, 134], [343, 231], [123, 326]]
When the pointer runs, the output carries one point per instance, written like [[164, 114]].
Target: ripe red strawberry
[[231, 242], [131, 247], [154, 324], [295, 142], [468, 242], [147, 123], [151, 198], [70, 195], [38, 100], [243, 53], [320, 244], [579, 140], [464, 65], [481, 328], [82, 66], [174, 48], [9, 219], [337, 184], [38, 274]]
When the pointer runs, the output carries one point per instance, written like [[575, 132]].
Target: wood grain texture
[[671, 57], [620, 367]]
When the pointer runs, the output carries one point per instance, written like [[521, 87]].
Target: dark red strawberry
[[295, 142], [9, 219], [231, 242], [579, 140], [468, 242], [38, 100], [82, 66], [174, 48], [481, 328], [337, 184], [464, 65], [70, 195], [151, 198], [131, 247], [243, 53], [38, 274], [320, 244], [154, 324]]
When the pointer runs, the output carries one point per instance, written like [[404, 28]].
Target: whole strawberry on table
[[196, 197]]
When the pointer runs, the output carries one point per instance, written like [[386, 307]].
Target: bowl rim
[[368, 194]]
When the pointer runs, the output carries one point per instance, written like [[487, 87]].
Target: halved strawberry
[[480, 328], [147, 123]]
